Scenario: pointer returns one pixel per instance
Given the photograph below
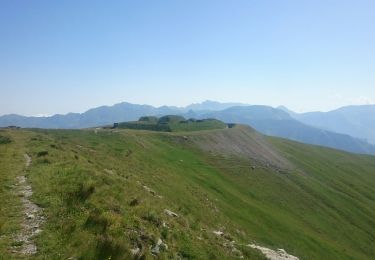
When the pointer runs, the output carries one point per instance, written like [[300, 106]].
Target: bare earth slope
[[241, 141]]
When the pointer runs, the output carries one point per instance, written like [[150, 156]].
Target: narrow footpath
[[32, 216]]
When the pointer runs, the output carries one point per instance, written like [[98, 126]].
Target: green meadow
[[106, 194]]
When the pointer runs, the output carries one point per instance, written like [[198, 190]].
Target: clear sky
[[69, 56]]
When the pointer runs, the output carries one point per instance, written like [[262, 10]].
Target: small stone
[[155, 250], [218, 233], [159, 245], [37, 231], [170, 213], [237, 253], [135, 251], [164, 247], [30, 216]]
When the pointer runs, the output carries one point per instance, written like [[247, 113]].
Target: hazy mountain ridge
[[91, 118], [357, 121], [102, 115], [276, 122], [280, 121]]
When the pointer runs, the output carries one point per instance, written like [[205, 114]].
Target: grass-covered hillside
[[172, 123], [122, 194]]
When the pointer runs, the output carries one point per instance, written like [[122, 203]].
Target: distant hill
[[357, 121], [276, 122], [172, 123]]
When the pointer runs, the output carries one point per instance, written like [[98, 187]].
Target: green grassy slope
[[105, 193]]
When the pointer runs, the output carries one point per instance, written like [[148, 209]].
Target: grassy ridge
[[105, 193], [172, 124]]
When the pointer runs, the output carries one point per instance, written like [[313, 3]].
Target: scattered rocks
[[28, 160], [149, 190], [170, 213], [159, 246], [164, 247], [279, 254], [85, 148], [237, 253], [230, 244]]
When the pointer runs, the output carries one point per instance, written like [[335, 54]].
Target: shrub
[[171, 119], [134, 202], [152, 217], [42, 153], [164, 233], [44, 161], [79, 195], [85, 191], [109, 248], [150, 119], [4, 139], [97, 222]]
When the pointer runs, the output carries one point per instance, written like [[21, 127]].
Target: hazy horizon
[[183, 106], [61, 57]]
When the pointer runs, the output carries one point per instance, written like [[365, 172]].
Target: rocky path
[[278, 254], [32, 217]]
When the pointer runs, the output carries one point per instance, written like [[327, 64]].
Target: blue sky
[[69, 56]]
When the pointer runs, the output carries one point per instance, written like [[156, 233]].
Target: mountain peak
[[285, 109]]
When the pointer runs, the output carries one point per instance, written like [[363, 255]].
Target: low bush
[[97, 222], [110, 248], [42, 153], [5, 139]]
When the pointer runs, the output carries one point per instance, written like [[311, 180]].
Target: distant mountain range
[[332, 129], [276, 122], [107, 115], [357, 121]]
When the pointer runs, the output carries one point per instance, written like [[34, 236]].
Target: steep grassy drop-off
[[105, 194], [326, 204]]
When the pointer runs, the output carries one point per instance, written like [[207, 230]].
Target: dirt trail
[[32, 217]]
